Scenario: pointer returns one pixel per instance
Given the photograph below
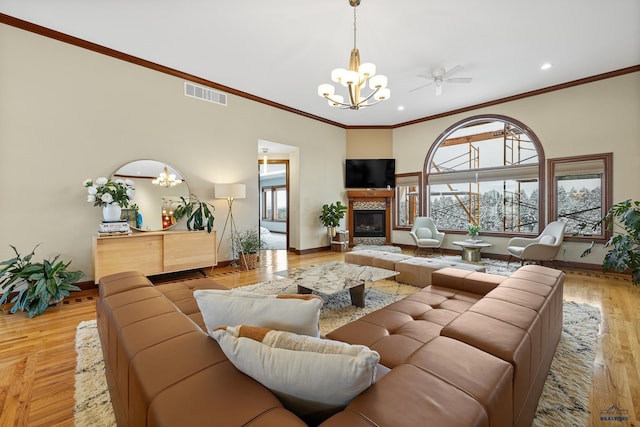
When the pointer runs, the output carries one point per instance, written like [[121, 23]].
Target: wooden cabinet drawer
[[189, 250]]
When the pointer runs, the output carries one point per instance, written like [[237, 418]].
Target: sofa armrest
[[521, 241]]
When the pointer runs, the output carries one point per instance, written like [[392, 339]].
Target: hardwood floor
[[37, 356]]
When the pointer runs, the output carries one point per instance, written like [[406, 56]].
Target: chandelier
[[165, 179], [355, 79]]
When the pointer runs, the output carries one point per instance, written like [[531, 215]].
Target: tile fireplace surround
[[370, 200]]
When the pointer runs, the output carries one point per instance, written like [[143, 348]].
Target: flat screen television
[[370, 173]]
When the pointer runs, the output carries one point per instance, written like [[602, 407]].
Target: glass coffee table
[[471, 249], [333, 277]]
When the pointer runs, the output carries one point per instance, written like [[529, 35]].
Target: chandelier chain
[[354, 28]]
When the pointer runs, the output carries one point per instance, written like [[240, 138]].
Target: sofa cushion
[[486, 378], [299, 314], [308, 374], [411, 396], [219, 395], [373, 258], [547, 240], [417, 271], [515, 250], [423, 233]]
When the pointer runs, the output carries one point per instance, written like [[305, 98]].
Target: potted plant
[[473, 230], [37, 284], [199, 214], [247, 244], [624, 252], [331, 216]]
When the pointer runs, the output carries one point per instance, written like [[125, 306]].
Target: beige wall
[[369, 144], [67, 114], [592, 118]]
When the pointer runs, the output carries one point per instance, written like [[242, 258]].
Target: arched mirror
[[158, 190]]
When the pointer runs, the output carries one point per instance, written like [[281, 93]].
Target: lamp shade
[[234, 191]]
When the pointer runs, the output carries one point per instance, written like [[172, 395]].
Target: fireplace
[[369, 223], [369, 217]]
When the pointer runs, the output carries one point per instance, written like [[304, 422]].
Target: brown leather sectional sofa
[[471, 349]]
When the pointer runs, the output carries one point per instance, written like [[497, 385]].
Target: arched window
[[486, 170]]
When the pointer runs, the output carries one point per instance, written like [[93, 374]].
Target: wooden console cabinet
[[153, 252]]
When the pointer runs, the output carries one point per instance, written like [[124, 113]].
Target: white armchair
[[545, 247], [425, 234]]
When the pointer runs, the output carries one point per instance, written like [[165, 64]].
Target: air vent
[[206, 94]]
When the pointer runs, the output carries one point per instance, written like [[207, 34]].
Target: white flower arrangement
[[104, 191]]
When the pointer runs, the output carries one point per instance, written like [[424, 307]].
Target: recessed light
[[546, 66], [400, 108]]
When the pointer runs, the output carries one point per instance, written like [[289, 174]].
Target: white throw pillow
[[547, 240], [423, 233], [293, 313], [309, 375]]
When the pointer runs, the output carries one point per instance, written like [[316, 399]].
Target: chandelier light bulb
[[382, 94], [336, 74], [326, 90], [367, 70], [166, 179], [378, 82], [336, 100], [351, 78]]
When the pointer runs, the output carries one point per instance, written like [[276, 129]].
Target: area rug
[[564, 400], [565, 396], [92, 400]]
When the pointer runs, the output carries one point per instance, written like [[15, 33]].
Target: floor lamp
[[231, 192]]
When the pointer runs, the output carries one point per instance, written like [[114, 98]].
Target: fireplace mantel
[[383, 196]]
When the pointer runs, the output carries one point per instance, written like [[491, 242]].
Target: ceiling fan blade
[[452, 71], [420, 87], [459, 80], [425, 76]]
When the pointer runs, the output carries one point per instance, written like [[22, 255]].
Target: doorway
[[273, 184]]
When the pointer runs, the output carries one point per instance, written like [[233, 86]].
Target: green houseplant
[[473, 230], [199, 214], [624, 246], [247, 244], [37, 284], [331, 216]]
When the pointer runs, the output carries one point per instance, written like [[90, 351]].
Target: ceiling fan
[[439, 76]]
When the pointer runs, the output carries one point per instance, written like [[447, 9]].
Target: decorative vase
[[111, 212]]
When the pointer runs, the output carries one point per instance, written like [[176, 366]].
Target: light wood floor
[[37, 356]]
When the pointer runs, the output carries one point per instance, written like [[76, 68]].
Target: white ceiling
[[281, 50]]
